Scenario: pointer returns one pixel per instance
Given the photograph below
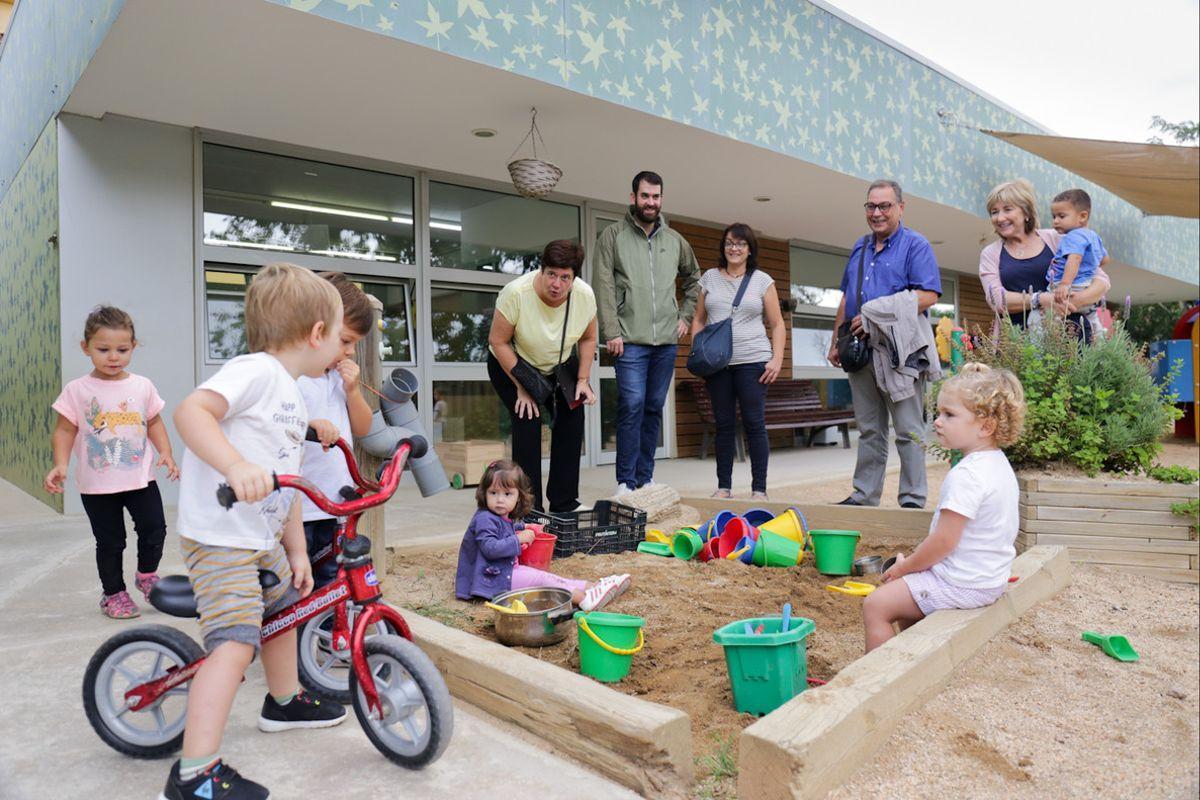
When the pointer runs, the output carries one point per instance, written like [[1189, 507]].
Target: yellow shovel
[[855, 588], [515, 607], [657, 536]]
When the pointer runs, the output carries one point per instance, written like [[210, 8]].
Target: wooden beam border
[[810, 745]]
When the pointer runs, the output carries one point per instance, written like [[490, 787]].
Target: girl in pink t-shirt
[[106, 417]]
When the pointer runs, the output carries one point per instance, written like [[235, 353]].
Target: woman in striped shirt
[[756, 359]]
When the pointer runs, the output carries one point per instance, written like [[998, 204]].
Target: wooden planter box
[[1126, 524], [469, 458]]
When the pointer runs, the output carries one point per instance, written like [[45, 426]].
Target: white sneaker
[[604, 591], [621, 491]]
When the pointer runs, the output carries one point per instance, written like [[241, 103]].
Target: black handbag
[[853, 351], [564, 377], [713, 347]]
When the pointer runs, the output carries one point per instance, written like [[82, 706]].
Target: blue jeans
[[644, 374], [738, 386]]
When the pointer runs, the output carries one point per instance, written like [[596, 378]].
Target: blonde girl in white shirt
[[965, 560]]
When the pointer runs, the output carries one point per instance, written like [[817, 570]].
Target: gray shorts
[[230, 598]]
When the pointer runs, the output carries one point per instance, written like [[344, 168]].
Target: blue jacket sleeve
[[496, 541]]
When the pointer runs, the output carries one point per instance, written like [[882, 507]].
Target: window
[[477, 229], [466, 410], [816, 279], [461, 320], [947, 304], [812, 337], [225, 295], [291, 205], [816, 282]]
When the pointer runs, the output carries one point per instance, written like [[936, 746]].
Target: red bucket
[[709, 551], [734, 530], [539, 552]]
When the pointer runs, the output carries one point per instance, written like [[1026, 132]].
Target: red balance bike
[[135, 686]]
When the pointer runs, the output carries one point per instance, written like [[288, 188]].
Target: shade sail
[[1159, 179]]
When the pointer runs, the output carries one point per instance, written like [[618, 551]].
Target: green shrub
[[1095, 407], [1191, 510], [1176, 473]]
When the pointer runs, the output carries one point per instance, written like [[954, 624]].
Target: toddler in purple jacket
[[487, 559]]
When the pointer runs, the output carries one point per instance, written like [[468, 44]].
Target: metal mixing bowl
[[867, 565], [537, 627]]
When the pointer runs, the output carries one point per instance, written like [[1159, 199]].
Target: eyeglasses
[[883, 208], [737, 246]]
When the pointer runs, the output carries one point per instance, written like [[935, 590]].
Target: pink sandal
[[119, 606]]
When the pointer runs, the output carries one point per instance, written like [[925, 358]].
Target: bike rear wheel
[[325, 669], [131, 658], [418, 716]]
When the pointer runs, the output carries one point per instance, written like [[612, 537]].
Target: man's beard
[[637, 212]]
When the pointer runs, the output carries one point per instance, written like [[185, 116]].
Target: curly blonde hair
[[993, 394]]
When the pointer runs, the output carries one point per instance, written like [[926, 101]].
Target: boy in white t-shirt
[[241, 425], [336, 408], [966, 559]]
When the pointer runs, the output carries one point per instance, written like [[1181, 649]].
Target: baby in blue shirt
[[1080, 252]]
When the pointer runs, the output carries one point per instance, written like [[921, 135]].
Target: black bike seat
[[173, 594]]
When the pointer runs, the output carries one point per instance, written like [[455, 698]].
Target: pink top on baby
[[112, 453]]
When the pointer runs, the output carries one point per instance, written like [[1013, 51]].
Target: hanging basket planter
[[533, 177]]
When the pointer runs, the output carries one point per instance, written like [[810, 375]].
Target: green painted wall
[[30, 367]]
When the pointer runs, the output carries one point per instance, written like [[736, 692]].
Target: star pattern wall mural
[[785, 75]]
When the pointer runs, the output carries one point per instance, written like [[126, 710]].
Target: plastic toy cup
[[774, 550], [686, 544], [733, 532], [539, 552], [757, 516], [790, 524], [709, 551], [834, 551]]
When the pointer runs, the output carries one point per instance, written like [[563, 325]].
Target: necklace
[[1020, 250], [729, 274]]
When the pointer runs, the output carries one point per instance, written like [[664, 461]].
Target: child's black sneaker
[[218, 782], [304, 711]]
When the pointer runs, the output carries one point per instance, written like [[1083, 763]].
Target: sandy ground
[[1039, 713], [682, 603]]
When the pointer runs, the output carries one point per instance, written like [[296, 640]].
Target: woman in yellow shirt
[[528, 335]]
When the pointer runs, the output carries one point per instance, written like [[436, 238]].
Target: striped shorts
[[932, 593], [231, 600]]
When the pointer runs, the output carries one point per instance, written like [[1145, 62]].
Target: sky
[[1096, 69]]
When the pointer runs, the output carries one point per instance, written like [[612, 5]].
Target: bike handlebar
[[389, 479]]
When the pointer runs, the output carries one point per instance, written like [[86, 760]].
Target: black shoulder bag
[[853, 351], [566, 374]]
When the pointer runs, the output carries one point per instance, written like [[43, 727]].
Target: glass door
[[602, 422]]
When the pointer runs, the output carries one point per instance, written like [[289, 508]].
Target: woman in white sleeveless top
[[756, 359]]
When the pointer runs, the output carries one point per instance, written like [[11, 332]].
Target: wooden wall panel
[[774, 258], [974, 314]]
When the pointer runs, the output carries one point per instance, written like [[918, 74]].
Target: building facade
[[155, 153]]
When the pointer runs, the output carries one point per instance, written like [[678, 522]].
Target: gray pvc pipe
[[398, 419]]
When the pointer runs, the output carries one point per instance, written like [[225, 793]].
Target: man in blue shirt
[[893, 259]]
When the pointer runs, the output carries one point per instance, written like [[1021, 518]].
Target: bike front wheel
[[129, 659], [417, 718], [324, 668]]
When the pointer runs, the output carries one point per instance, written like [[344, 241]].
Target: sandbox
[[676, 703]]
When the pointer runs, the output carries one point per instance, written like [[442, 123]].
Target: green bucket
[[834, 550], [774, 550], [607, 643], [686, 544], [765, 669]]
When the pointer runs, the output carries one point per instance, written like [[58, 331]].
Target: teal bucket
[[765, 669]]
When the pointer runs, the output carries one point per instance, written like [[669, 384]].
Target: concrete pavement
[[49, 626]]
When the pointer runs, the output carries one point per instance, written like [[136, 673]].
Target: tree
[[1182, 132]]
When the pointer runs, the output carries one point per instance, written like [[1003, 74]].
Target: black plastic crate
[[607, 528]]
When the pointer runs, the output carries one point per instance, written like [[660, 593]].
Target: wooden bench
[[791, 404]]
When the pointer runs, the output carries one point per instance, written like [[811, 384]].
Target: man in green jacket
[[634, 271]]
